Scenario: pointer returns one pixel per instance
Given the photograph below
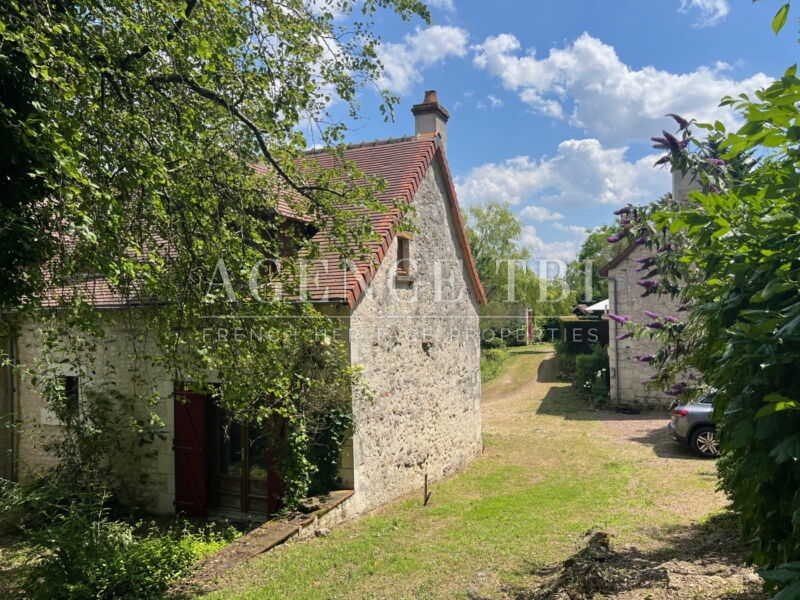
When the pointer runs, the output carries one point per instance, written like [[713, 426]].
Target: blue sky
[[552, 104]]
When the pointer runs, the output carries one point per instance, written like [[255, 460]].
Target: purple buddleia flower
[[660, 143], [647, 284], [624, 336], [640, 240], [613, 239], [651, 314], [671, 320], [673, 142], [647, 261], [623, 211], [648, 358], [619, 318], [655, 325], [625, 221], [667, 248], [661, 161], [682, 123], [683, 308], [716, 161]]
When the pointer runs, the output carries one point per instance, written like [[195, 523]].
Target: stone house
[[627, 374], [410, 315]]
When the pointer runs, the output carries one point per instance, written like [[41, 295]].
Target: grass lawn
[[551, 470]]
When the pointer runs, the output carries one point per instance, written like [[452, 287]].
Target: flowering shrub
[[591, 376], [731, 255]]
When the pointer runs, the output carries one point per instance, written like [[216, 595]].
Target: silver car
[[691, 424]]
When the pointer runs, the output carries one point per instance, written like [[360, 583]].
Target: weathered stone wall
[[418, 343], [146, 473], [417, 340], [625, 298], [6, 418]]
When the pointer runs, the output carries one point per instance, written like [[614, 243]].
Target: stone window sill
[[404, 280]]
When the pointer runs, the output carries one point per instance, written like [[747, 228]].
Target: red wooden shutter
[[191, 474]]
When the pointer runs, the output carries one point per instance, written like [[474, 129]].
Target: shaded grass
[[544, 480], [492, 363]]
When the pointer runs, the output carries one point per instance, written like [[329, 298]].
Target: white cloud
[[540, 214], [711, 11], [576, 230], [588, 85], [495, 101], [404, 62], [542, 252], [443, 4], [581, 174]]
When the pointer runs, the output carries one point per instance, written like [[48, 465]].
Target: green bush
[[86, 555], [492, 363], [591, 375], [565, 360]]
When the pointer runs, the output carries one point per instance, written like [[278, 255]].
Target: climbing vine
[[153, 142]]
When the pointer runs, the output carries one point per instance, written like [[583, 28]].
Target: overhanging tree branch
[[144, 50], [305, 190]]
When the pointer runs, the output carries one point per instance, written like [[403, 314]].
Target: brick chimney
[[683, 184], [430, 117]]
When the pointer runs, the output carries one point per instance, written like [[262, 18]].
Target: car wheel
[[704, 442]]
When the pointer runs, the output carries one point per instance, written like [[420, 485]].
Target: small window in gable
[[403, 268], [403, 256]]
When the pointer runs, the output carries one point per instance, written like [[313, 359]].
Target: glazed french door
[[243, 473]]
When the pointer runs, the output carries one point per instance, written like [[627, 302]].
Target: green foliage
[[731, 254], [140, 126], [492, 363], [591, 376], [565, 359], [588, 371], [87, 555], [780, 18], [596, 251], [495, 237]]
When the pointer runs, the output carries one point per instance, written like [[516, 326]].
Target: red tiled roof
[[402, 163]]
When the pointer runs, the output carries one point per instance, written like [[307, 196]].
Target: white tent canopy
[[602, 305]]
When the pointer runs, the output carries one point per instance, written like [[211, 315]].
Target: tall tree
[[133, 124], [495, 236], [131, 135], [595, 252]]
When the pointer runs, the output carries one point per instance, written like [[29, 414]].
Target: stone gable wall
[[627, 374], [418, 343]]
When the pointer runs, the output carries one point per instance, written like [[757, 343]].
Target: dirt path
[[702, 561]]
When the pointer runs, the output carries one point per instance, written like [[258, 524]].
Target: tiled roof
[[402, 163]]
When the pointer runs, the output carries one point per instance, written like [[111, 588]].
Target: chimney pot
[[431, 117]]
